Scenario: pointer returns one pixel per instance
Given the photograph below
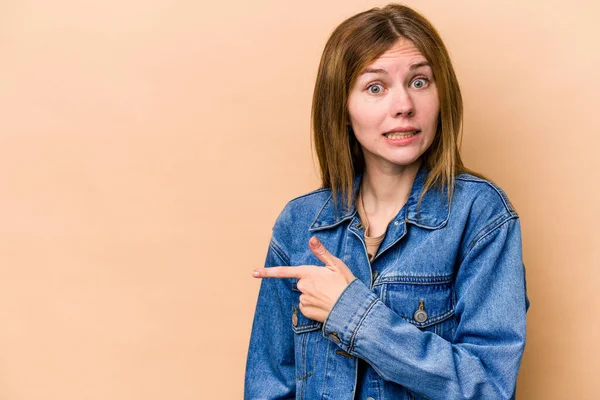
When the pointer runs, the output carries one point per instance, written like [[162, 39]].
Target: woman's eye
[[419, 83], [375, 88]]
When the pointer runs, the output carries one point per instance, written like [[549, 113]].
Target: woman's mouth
[[400, 135]]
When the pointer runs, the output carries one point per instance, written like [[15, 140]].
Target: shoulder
[[297, 216], [481, 207], [482, 194], [306, 205]]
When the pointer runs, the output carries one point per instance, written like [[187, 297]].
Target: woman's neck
[[385, 190]]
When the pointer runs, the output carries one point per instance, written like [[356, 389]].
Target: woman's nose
[[402, 104]]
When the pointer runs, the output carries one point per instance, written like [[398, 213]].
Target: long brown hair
[[352, 46]]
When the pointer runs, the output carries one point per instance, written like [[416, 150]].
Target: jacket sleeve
[[270, 366], [482, 361]]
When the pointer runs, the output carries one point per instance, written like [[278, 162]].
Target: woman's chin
[[395, 162]]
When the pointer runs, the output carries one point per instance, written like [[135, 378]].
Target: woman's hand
[[320, 286]]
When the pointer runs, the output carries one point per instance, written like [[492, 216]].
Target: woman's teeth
[[400, 135]]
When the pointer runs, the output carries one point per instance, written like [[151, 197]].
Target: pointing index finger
[[321, 252], [279, 272]]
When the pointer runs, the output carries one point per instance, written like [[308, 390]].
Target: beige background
[[146, 148]]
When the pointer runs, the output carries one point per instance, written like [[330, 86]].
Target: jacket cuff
[[348, 312]]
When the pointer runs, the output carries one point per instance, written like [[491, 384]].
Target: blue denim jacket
[[459, 266]]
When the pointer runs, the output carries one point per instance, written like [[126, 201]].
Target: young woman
[[402, 277]]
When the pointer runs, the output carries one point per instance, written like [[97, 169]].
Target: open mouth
[[400, 135]]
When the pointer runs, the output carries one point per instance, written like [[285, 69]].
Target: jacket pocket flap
[[301, 324], [420, 304]]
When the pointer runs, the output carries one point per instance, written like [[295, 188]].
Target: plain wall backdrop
[[146, 148]]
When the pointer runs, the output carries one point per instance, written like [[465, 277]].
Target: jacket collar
[[433, 214]]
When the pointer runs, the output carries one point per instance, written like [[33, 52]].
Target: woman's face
[[394, 107]]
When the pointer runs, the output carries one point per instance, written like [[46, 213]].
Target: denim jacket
[[443, 317]]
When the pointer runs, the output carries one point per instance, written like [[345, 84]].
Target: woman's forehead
[[401, 57], [403, 51]]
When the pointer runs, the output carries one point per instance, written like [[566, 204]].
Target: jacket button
[[295, 318], [335, 338], [420, 315]]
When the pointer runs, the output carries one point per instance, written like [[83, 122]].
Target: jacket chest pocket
[[425, 302], [307, 340]]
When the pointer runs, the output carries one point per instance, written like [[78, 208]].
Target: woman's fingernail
[[256, 274]]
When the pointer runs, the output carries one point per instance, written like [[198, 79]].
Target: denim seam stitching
[[503, 196], [304, 328], [316, 191], [305, 376], [489, 228], [319, 213], [333, 224], [420, 225], [416, 280], [336, 221], [326, 366], [279, 251], [358, 325], [324, 327], [483, 234], [430, 321], [432, 227]]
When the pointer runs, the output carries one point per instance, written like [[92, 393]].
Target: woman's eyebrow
[[374, 71], [384, 72], [419, 65]]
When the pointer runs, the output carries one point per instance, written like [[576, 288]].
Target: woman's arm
[[270, 367], [483, 360]]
